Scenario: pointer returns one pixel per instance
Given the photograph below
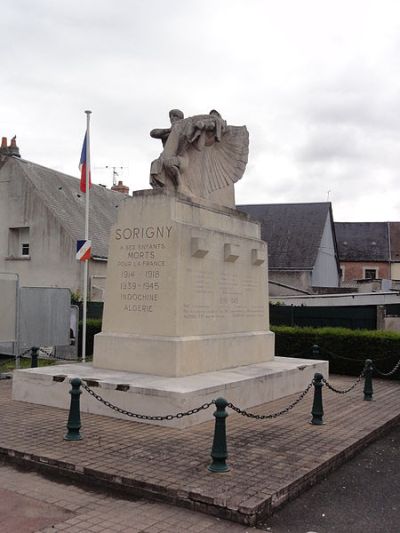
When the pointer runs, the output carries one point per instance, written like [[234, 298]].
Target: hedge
[[383, 347], [93, 326]]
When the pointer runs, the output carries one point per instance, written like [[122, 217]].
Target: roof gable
[[293, 232], [62, 195]]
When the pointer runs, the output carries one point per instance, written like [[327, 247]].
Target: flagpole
[[86, 263]]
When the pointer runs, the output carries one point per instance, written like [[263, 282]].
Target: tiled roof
[[293, 232], [62, 195], [362, 241]]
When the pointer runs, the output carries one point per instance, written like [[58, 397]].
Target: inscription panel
[[227, 298], [223, 296], [139, 278], [156, 287]]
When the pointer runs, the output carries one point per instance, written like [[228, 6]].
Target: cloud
[[316, 83]]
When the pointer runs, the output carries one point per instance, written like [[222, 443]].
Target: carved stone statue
[[203, 157]]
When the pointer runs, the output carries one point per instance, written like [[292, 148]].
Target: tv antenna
[[114, 173]]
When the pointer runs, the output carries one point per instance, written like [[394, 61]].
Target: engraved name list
[[142, 260]]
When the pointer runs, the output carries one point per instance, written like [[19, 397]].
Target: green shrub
[[7, 365], [383, 347], [93, 326]]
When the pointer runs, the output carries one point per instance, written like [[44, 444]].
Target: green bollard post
[[74, 418], [34, 356], [315, 351], [368, 389], [317, 408], [219, 451]]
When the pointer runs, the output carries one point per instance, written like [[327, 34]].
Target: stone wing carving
[[219, 164], [202, 155]]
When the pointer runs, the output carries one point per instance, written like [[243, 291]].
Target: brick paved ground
[[31, 503], [271, 461]]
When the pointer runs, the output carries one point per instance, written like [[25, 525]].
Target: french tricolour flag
[[82, 166], [84, 250]]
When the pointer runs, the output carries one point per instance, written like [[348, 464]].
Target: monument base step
[[181, 356], [245, 386]]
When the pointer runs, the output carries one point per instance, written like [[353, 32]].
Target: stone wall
[[292, 279]]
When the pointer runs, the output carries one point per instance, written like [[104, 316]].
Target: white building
[[42, 215]]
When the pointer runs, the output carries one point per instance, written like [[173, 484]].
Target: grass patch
[[8, 365]]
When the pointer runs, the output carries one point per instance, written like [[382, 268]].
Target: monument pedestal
[[244, 386], [185, 318], [186, 289]]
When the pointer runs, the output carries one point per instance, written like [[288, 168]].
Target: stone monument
[[186, 285], [202, 157], [186, 305]]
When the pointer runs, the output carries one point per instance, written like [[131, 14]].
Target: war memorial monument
[[186, 305]]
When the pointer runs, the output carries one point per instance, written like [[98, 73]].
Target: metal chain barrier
[[390, 373], [44, 352], [51, 355], [344, 391], [272, 415], [145, 417], [23, 354], [303, 352], [337, 356], [348, 358]]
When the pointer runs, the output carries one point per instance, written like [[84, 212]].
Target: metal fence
[[354, 317]]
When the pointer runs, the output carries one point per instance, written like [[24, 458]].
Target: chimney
[[12, 149], [120, 188], [3, 146]]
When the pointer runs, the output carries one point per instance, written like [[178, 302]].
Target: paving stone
[[271, 461]]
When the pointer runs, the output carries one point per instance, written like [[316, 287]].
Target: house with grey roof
[[42, 216], [302, 251], [368, 250], [42, 213]]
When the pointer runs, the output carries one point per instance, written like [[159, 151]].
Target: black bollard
[[368, 389], [74, 418], [219, 452], [315, 351], [34, 356], [317, 408]]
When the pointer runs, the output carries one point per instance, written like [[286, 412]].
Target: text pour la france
[[144, 232]]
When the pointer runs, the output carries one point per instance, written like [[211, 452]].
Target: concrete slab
[[146, 394]]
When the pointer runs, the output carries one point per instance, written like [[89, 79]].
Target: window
[[19, 243], [370, 273], [25, 248]]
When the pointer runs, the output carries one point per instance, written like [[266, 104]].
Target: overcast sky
[[317, 83]]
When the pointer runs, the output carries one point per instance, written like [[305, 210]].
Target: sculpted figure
[[203, 157]]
